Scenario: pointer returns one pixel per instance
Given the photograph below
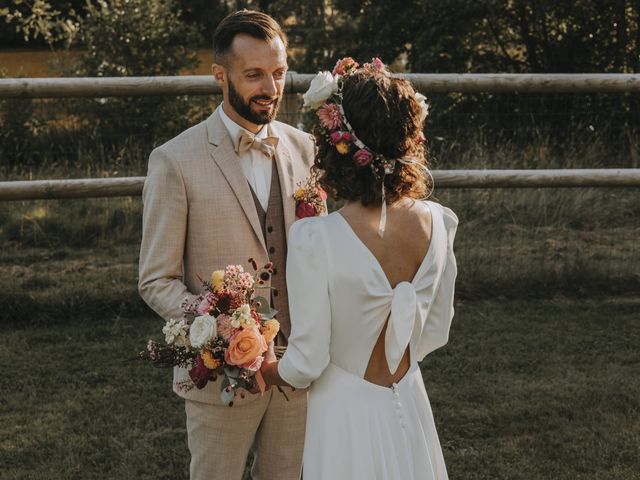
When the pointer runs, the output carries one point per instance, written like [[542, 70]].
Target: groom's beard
[[257, 117]]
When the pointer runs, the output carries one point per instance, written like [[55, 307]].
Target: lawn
[[525, 390], [540, 379]]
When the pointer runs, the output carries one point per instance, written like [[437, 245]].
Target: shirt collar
[[234, 129]]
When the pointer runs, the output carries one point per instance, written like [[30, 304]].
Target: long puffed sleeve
[[164, 225], [307, 354], [435, 332]]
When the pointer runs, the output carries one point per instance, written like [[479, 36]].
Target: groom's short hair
[[250, 22]]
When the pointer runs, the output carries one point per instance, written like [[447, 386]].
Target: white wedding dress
[[340, 299]]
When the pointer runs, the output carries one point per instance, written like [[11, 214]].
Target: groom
[[218, 194]]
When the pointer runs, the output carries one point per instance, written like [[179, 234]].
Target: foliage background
[[159, 37], [538, 381]]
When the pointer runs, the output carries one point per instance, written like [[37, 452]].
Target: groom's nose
[[269, 86]]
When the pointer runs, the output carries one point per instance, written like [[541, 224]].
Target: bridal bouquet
[[225, 330]]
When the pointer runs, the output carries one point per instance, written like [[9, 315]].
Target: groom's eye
[[253, 74]]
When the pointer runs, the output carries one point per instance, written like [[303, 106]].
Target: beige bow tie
[[265, 145]]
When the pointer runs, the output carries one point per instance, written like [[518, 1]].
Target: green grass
[[540, 390], [79, 257], [540, 379], [525, 389]]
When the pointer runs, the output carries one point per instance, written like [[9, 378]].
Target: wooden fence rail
[[132, 186], [299, 82]]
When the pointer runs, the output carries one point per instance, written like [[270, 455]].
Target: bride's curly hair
[[385, 115]]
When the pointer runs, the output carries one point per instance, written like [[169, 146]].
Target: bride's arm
[[435, 332], [307, 352]]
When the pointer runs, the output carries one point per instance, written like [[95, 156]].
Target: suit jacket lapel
[[286, 175], [227, 160]]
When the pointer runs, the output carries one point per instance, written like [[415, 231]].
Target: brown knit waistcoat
[[273, 229]]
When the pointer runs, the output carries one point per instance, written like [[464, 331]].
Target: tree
[[38, 21]]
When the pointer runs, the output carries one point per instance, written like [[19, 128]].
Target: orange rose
[[245, 347], [270, 329]]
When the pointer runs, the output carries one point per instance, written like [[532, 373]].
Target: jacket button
[[275, 270], [275, 292], [272, 250], [269, 229]]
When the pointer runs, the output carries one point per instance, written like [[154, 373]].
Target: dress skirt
[[357, 430]]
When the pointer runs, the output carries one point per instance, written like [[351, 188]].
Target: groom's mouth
[[264, 103]]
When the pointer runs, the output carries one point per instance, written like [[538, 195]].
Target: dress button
[[275, 292], [269, 229], [272, 250]]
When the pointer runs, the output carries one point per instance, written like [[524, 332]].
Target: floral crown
[[325, 94]]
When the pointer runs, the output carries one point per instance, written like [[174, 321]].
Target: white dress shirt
[[256, 166]]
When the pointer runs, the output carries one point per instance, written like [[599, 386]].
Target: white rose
[[202, 330], [422, 100], [322, 87]]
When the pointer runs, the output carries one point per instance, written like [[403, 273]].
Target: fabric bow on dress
[[401, 323]]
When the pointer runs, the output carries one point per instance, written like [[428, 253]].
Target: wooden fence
[[132, 186], [298, 83]]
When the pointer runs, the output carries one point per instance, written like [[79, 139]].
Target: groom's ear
[[219, 73]]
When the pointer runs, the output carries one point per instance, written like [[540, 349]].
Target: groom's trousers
[[272, 428]]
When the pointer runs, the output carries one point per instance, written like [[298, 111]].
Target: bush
[[136, 38]]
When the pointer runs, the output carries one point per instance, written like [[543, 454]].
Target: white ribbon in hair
[[388, 170]]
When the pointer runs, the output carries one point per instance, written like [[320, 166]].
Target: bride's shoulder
[[308, 229], [308, 239], [448, 216]]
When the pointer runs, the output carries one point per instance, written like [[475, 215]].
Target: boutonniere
[[310, 199]]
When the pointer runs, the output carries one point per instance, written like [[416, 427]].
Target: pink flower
[[345, 65], [340, 137], [224, 328], [321, 193], [253, 366], [204, 307], [330, 116], [362, 157], [377, 64], [237, 282], [305, 209]]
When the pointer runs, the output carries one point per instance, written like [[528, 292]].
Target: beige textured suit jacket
[[199, 216]]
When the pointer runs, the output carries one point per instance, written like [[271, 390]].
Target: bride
[[370, 287]]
